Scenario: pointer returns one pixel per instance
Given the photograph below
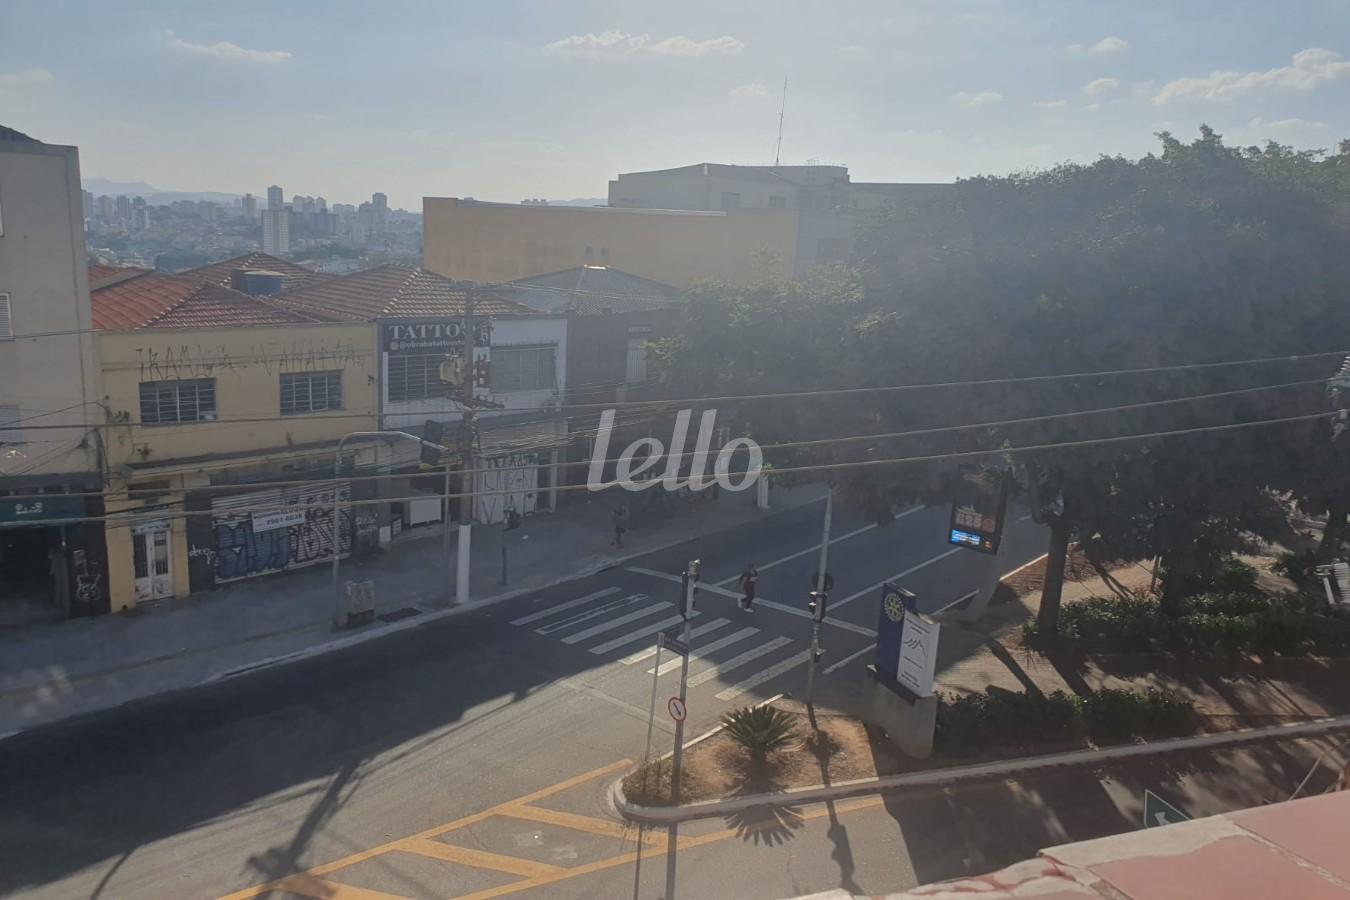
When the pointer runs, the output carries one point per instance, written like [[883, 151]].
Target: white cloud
[[224, 50], [1108, 44], [1101, 86], [977, 98], [679, 45], [1309, 68], [24, 78], [750, 91], [1292, 124], [1050, 104], [618, 43]]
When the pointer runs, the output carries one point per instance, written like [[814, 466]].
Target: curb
[[662, 815], [370, 633]]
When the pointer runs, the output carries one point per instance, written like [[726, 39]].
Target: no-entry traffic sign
[[677, 709]]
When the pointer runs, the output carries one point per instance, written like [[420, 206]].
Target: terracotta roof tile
[[292, 276], [393, 291], [156, 300]]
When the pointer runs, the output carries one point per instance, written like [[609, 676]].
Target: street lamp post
[[337, 525]]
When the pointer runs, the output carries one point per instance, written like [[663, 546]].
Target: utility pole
[[818, 605], [466, 437]]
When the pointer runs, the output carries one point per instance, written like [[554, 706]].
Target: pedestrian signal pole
[[688, 588], [817, 605]]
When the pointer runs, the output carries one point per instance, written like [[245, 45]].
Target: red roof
[[99, 273], [292, 276], [156, 300], [393, 291]]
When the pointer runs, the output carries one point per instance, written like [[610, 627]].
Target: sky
[[507, 100]]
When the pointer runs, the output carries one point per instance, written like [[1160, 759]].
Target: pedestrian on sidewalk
[[749, 581], [620, 518]]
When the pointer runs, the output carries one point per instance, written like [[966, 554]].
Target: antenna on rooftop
[[778, 151]]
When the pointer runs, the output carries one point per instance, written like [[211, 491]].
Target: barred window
[[306, 392], [529, 369], [189, 400], [416, 376]]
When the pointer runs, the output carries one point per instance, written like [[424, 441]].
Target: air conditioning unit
[[358, 605]]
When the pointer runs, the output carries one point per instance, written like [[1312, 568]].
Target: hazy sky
[[505, 100]]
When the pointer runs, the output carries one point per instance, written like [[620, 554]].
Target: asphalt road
[[211, 791]]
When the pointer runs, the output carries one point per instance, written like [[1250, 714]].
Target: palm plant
[[760, 729]]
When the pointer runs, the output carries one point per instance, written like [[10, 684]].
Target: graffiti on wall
[[184, 361], [515, 473], [241, 551]]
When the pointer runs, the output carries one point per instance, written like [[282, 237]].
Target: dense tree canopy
[[1200, 253]]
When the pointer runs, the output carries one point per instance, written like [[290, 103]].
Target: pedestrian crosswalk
[[612, 621]]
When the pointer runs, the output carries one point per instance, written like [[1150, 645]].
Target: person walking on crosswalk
[[749, 581]]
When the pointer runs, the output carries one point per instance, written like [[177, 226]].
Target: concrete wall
[[42, 269], [489, 242]]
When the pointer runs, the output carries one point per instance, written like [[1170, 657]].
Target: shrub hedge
[[966, 723], [1206, 623]]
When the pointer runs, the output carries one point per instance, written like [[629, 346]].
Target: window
[[190, 400], [310, 392], [416, 377], [637, 355], [10, 432], [830, 250], [731, 200], [777, 202], [525, 369], [6, 323]]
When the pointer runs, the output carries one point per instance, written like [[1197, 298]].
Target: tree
[[1200, 253]]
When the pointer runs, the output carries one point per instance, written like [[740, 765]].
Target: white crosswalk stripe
[[706, 650], [649, 652], [616, 623], [601, 610], [570, 604], [764, 675], [737, 661], [646, 630]]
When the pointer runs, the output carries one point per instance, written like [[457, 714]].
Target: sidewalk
[[52, 671], [975, 656]]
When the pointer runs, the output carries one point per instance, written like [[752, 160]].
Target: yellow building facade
[[498, 242], [217, 404]]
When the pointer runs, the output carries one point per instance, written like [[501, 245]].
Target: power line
[[129, 517], [919, 432], [658, 404]]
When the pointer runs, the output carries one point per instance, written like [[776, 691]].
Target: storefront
[[52, 566]]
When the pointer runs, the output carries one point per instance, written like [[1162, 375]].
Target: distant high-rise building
[[276, 231], [107, 208], [88, 198], [275, 198], [380, 203], [249, 207], [321, 203], [140, 214], [364, 224], [124, 208]]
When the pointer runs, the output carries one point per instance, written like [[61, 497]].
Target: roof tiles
[[157, 300], [394, 291]]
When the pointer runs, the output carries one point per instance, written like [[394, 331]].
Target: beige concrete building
[[50, 562], [498, 242]]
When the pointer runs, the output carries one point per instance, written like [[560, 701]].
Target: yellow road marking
[[479, 859], [847, 806], [308, 886], [577, 823], [431, 832]]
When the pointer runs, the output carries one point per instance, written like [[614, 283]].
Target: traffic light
[[816, 605], [690, 586]]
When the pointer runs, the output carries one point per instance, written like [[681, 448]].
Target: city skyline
[[910, 92]]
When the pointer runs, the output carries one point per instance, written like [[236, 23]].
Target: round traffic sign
[[677, 709]]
